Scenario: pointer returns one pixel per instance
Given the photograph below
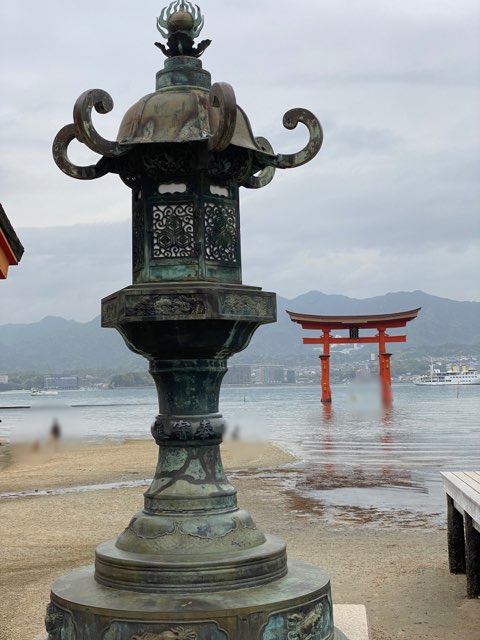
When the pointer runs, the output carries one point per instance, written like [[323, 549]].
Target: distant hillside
[[58, 345], [440, 322]]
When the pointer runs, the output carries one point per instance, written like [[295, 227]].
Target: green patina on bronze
[[191, 564]]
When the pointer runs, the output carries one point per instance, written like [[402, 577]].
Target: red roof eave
[[362, 321], [7, 249]]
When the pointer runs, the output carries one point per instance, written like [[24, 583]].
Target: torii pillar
[[384, 370], [325, 369]]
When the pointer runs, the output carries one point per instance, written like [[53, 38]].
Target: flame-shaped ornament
[[180, 23], [181, 16]]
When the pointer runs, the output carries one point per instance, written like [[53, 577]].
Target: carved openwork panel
[[165, 306], [109, 311], [173, 230], [233, 164], [247, 305], [221, 232], [311, 622], [176, 633], [122, 630], [59, 624], [169, 160], [138, 232]]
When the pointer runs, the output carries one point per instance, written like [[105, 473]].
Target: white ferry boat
[[454, 375], [43, 392]]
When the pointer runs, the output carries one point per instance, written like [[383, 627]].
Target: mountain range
[[440, 322], [56, 345]]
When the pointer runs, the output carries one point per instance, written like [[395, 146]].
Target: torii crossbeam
[[353, 324]]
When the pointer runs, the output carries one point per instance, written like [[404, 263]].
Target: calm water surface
[[359, 463]]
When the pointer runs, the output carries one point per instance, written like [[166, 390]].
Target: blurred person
[[55, 431]]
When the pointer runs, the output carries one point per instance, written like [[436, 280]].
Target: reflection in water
[[388, 458], [359, 455], [328, 443], [387, 437], [388, 415], [327, 412]]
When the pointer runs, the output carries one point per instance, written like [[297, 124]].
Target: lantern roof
[[185, 108], [181, 110]]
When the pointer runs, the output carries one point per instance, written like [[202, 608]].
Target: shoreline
[[69, 464], [338, 497], [400, 574]]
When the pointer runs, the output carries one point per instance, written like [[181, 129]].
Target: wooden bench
[[463, 516]]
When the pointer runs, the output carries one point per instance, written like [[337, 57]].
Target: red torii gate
[[353, 324]]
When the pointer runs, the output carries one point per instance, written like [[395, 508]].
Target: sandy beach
[[400, 574]]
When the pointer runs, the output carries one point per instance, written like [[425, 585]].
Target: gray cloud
[[390, 203], [66, 271]]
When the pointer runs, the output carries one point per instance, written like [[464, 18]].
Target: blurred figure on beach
[[55, 431], [236, 432], [55, 434], [54, 437]]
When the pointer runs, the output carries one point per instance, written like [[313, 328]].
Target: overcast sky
[[391, 202]]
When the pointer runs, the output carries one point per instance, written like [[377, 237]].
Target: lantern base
[[294, 607]]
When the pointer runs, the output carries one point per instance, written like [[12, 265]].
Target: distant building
[[290, 377], [269, 374], [3, 379], [238, 374], [60, 383]]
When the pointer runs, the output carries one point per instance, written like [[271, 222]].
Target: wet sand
[[399, 573]]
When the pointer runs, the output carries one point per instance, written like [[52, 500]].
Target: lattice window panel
[[138, 236], [173, 235], [221, 233]]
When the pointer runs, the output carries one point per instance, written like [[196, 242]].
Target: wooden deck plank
[[465, 491], [473, 485], [474, 477], [463, 479], [463, 494], [463, 484]]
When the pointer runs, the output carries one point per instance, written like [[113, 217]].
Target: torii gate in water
[[353, 324]]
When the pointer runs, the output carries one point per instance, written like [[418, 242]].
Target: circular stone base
[[295, 607], [203, 572]]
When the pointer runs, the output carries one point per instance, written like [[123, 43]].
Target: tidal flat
[[396, 566]]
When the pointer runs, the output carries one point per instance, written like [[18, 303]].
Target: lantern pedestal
[[294, 607], [191, 565]]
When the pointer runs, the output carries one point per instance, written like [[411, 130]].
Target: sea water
[[355, 458]]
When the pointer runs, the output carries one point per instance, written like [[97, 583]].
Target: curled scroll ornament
[[222, 96], [86, 132], [266, 175], [290, 121], [83, 130], [60, 154]]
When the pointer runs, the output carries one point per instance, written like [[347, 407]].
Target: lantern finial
[[180, 23]]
